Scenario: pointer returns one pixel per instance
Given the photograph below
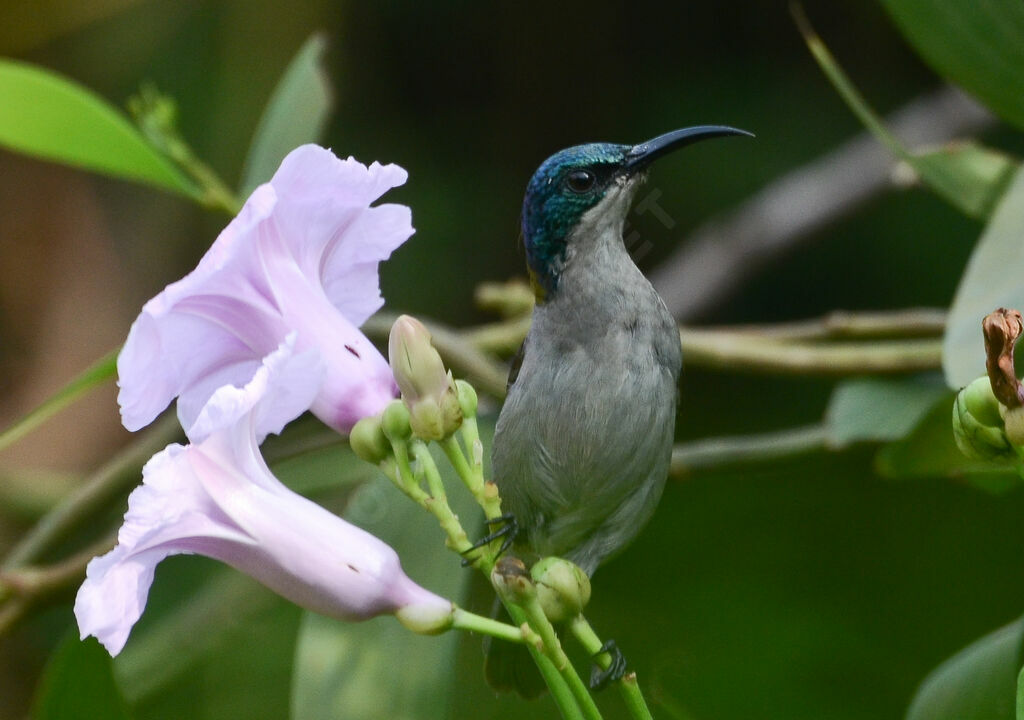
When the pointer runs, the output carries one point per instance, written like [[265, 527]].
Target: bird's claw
[[508, 531], [599, 679]]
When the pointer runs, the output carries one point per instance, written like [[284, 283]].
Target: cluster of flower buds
[[433, 404], [988, 414], [560, 587], [978, 426]]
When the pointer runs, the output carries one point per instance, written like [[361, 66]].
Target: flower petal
[[302, 256], [216, 497]]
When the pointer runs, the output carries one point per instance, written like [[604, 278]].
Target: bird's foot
[[508, 530], [599, 679]]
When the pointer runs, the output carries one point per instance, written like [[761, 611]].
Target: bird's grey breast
[[583, 443]]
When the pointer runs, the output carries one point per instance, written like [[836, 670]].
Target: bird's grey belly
[[582, 448]]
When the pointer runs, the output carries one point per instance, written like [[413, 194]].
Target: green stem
[[96, 374], [426, 460], [537, 620], [560, 692], [472, 471], [470, 432], [437, 503], [458, 460], [627, 684], [854, 100], [465, 620]]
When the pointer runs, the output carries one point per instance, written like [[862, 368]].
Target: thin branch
[[25, 587], [747, 351], [787, 348], [841, 324], [715, 453], [721, 255]]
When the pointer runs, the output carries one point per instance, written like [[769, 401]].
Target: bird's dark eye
[[580, 180]]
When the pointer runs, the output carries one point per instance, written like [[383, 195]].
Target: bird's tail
[[508, 667]]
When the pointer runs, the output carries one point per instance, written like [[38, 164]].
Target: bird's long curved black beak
[[642, 155]]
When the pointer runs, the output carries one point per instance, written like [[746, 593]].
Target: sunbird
[[584, 439]]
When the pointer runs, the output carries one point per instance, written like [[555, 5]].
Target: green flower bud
[[511, 580], [394, 421], [426, 618], [467, 398], [368, 440], [562, 588], [427, 388], [977, 423]]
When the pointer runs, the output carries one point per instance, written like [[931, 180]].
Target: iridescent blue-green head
[[574, 181]]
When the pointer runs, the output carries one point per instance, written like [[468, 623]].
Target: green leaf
[[78, 684], [994, 278], [966, 175], [376, 669], [970, 176], [92, 377], [873, 409], [978, 45], [51, 117], [978, 683], [930, 451], [1020, 696], [296, 114]]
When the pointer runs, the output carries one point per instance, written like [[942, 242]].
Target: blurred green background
[[809, 588]]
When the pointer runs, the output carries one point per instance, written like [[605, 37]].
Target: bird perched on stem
[[583, 442]]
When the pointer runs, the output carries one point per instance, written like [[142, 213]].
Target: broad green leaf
[[930, 451], [199, 618], [978, 45], [994, 278], [873, 409], [968, 176], [378, 669], [78, 684], [978, 683], [51, 117], [295, 115]]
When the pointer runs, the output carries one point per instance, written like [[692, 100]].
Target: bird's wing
[[515, 365]]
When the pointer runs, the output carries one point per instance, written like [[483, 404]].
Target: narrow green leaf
[[978, 45], [376, 669], [994, 278], [78, 684], [1020, 696], [93, 376], [930, 451], [969, 177], [978, 683], [51, 117], [295, 114], [874, 409]]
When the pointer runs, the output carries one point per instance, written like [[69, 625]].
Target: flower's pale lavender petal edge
[[208, 321], [169, 514], [350, 272], [314, 174], [281, 389]]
